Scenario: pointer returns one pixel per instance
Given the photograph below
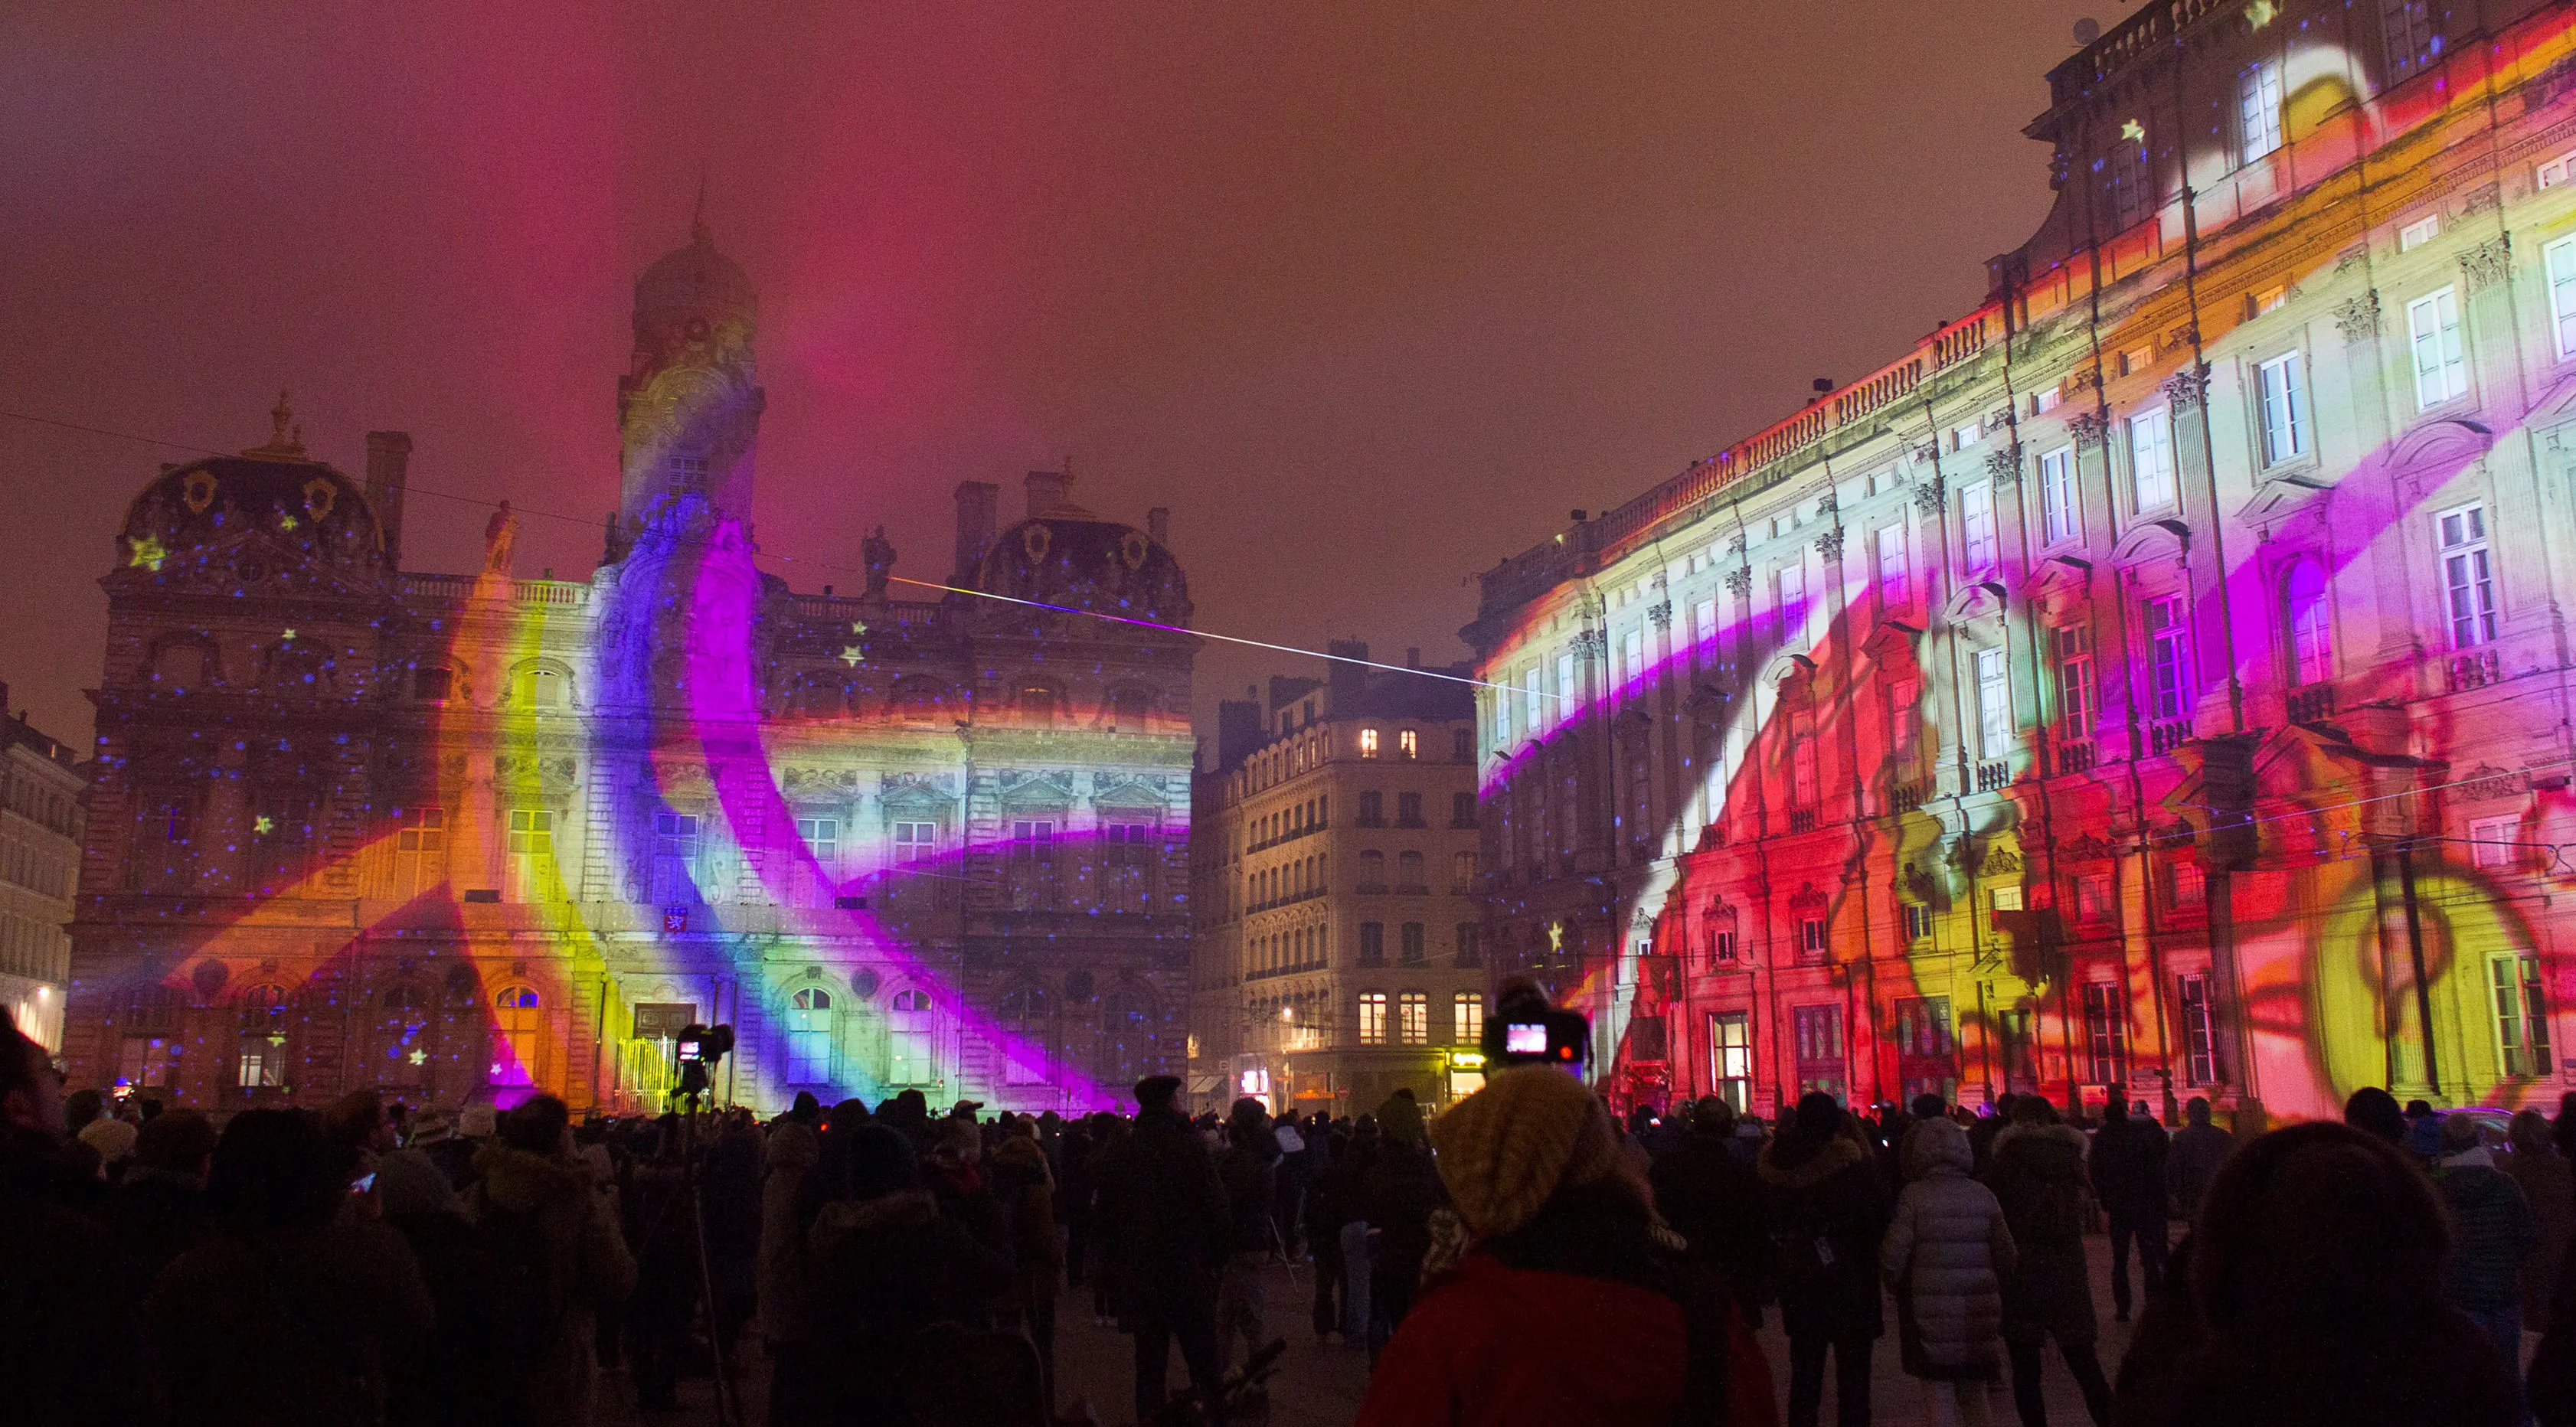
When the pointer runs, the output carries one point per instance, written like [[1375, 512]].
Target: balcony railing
[[1994, 777], [1904, 797], [1802, 820], [2166, 735], [2475, 670], [2313, 704], [2075, 755]]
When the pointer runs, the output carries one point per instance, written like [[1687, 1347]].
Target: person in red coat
[[1573, 1306]]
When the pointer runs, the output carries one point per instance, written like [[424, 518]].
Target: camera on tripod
[[1526, 1030], [696, 1052]]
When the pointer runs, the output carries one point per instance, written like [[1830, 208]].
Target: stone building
[[2154, 682], [456, 836], [42, 784], [1333, 863]]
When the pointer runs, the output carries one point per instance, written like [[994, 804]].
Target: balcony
[[1371, 889], [1802, 820], [1290, 836], [2166, 735], [1904, 797], [2474, 670], [2075, 755], [1412, 889], [1994, 777], [2313, 704]]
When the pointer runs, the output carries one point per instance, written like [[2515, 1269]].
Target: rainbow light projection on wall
[[2227, 713], [457, 837]]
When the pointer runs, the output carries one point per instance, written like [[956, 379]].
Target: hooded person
[[1828, 1207], [2038, 1174], [1162, 1229], [536, 1212], [2315, 1281], [2493, 1231], [1573, 1305], [1946, 1253]]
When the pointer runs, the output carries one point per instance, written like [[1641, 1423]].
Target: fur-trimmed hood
[[2051, 1151], [1838, 1154]]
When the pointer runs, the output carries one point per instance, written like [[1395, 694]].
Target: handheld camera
[[1526, 1030]]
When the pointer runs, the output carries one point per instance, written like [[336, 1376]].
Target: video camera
[[1526, 1030], [697, 1050]]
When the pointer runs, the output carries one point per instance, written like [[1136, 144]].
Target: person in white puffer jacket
[[1946, 1253]]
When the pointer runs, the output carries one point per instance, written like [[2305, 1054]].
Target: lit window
[[2136, 360], [540, 688], [2468, 575], [2199, 1030], [1977, 526], [1994, 706], [1372, 1018], [2522, 1015], [2075, 688], [2441, 368], [1408, 743], [1467, 1017], [2416, 234], [2057, 495], [2005, 899], [2268, 299], [2283, 394], [1368, 743], [1730, 1057], [1413, 1018], [2258, 109], [2151, 459]]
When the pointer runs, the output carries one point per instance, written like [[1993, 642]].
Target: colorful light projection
[[2260, 873]]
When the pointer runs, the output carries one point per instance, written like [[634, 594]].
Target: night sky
[[1370, 294]]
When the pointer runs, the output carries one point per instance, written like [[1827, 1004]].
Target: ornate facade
[[1333, 856], [459, 835], [2155, 682]]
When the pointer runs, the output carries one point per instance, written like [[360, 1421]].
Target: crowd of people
[[1521, 1257]]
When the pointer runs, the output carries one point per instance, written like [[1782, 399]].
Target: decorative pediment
[[1113, 791], [1787, 667], [2487, 782], [2166, 539], [2058, 574], [1036, 791], [2087, 847], [1978, 599], [925, 791], [819, 782], [1807, 898], [2280, 498], [2000, 861]]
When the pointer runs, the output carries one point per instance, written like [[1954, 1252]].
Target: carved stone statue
[[878, 553], [500, 535]]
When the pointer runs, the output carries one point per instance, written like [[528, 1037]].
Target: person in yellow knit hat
[[1573, 1304]]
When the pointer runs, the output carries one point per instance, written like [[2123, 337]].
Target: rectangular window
[[2268, 299], [822, 837], [2125, 184], [2073, 645], [1927, 1050], [2553, 172], [1413, 1018], [915, 842], [1410, 944], [1368, 743], [2190, 888], [1408, 810], [2468, 575], [532, 850], [1632, 659], [1372, 943], [1408, 743], [1721, 945], [2412, 39], [2416, 234], [261, 1064], [2017, 1046], [1977, 526], [1895, 583], [1793, 602], [1470, 944], [1704, 625], [2258, 109], [1905, 725], [2441, 369], [1466, 1018], [1372, 809], [1994, 706], [1811, 939], [1372, 1018], [2057, 495], [2106, 1035], [1531, 693], [1569, 683], [2199, 1029], [2093, 899], [2151, 459], [809, 1041], [1804, 788], [1462, 810], [1730, 1058], [2282, 391], [2561, 260], [2169, 658], [2041, 403], [2522, 1015], [1918, 921], [2495, 844], [1820, 1063], [1964, 436]]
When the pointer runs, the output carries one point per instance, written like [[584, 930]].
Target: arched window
[[1372, 871], [911, 1040], [2309, 617], [809, 1037], [1038, 704], [1130, 708], [538, 687], [519, 1028]]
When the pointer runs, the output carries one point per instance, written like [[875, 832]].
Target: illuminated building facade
[[2155, 682], [1333, 856], [457, 836], [42, 784]]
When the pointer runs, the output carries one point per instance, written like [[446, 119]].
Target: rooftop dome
[[1072, 558], [694, 282]]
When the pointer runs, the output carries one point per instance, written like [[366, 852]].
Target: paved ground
[[1320, 1385]]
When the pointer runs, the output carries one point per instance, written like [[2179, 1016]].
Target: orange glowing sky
[[1370, 295]]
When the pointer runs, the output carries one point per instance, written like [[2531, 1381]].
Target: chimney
[[979, 506], [1344, 682], [1158, 523], [1047, 490], [388, 458]]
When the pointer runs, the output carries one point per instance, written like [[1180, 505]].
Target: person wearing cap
[[2495, 1232], [1163, 1233], [1573, 1304]]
